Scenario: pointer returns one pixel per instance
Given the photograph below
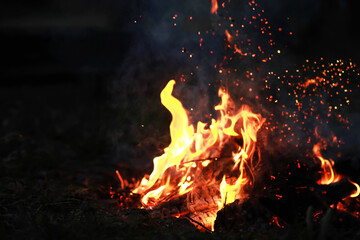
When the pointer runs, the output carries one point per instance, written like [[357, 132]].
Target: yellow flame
[[357, 191], [177, 173], [328, 174]]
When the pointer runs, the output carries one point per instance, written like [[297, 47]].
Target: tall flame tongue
[[179, 170], [328, 175]]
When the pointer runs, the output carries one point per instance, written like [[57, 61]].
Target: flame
[[357, 191], [214, 6], [177, 172], [251, 125], [328, 174]]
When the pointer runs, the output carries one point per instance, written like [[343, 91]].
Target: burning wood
[[176, 173], [212, 168], [189, 181]]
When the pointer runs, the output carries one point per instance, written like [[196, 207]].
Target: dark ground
[[64, 129]]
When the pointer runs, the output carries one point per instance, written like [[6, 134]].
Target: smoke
[[159, 32]]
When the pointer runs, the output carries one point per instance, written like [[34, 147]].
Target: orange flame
[[177, 173], [328, 174], [357, 191], [214, 6]]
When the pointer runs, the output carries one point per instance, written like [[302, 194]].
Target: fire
[[228, 36], [328, 173], [214, 6], [357, 191], [179, 170], [210, 165]]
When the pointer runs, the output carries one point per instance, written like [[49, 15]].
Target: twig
[[200, 224]]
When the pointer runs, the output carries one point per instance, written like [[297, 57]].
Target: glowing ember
[[228, 36], [214, 6], [238, 50], [357, 192], [315, 81], [177, 172]]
